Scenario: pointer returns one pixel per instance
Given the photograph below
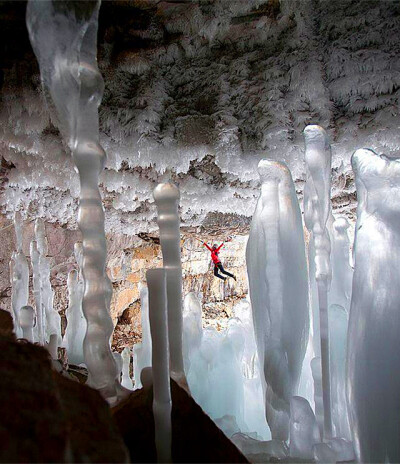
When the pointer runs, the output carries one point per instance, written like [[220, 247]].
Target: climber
[[217, 263]]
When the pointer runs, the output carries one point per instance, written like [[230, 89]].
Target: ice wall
[[277, 272], [64, 38], [373, 359]]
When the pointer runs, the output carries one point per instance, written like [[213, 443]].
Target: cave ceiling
[[197, 92]]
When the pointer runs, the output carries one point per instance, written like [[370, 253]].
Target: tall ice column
[[64, 38], [19, 270], [166, 197], [53, 319], [162, 405], [317, 197], [373, 354], [278, 284]]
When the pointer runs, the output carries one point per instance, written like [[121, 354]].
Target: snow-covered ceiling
[[198, 92]]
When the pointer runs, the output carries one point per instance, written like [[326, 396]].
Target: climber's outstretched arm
[[205, 244]]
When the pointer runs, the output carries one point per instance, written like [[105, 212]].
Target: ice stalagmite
[[162, 405], [342, 272], [37, 293], [277, 271], [19, 270], [126, 361], [317, 197], [27, 321], [142, 351], [304, 432], [63, 37], [76, 323], [338, 322], [373, 358], [192, 328], [53, 319], [166, 197]]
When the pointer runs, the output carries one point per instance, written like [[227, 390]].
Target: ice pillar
[[317, 197], [76, 323], [63, 37], [342, 272], [166, 197], [27, 321], [53, 320], [338, 322], [373, 358], [126, 362], [304, 431], [192, 328], [277, 271], [37, 293], [19, 270], [162, 405]]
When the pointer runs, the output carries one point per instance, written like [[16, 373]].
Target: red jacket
[[214, 253]]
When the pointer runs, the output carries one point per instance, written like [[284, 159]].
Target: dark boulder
[[46, 417], [195, 437]]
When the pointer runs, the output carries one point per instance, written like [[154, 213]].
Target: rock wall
[[128, 260]]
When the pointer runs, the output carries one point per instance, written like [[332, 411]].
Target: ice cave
[[199, 231]]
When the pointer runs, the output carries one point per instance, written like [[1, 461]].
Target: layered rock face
[[128, 269]]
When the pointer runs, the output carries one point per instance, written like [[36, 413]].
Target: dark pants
[[221, 268]]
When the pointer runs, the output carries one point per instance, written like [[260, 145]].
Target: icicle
[[63, 37], [277, 271], [166, 197], [316, 212], [162, 405]]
